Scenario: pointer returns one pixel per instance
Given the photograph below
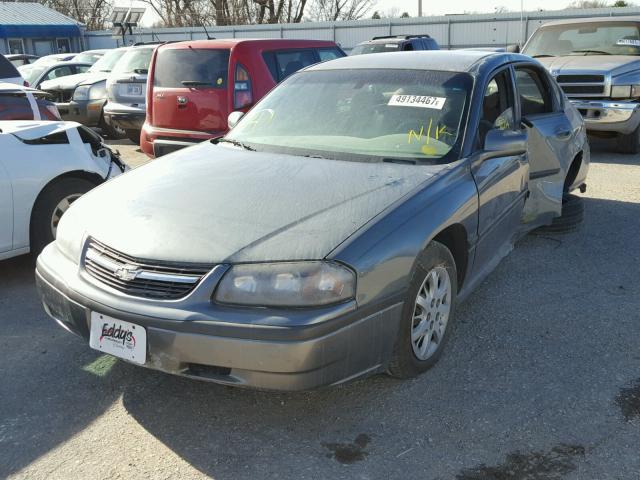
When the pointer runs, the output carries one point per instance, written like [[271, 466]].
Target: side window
[[329, 54], [534, 93], [407, 47], [290, 61], [82, 68], [497, 106], [58, 72]]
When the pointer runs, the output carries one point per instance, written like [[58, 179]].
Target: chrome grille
[[141, 278], [583, 85]]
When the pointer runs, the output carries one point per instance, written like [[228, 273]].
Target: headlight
[[624, 91], [81, 93], [287, 284], [90, 92]]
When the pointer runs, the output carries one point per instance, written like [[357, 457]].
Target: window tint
[[408, 47], [7, 70], [534, 94], [290, 61], [497, 106], [191, 68], [329, 54]]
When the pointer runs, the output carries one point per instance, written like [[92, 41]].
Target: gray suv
[[396, 43], [126, 91]]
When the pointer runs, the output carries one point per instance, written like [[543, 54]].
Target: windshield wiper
[[193, 83], [236, 143], [402, 161], [540, 55], [597, 52]]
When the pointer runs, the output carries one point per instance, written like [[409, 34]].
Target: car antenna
[[207, 33]]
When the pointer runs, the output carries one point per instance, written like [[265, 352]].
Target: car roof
[[30, 130], [6, 87], [443, 60], [627, 18], [232, 42]]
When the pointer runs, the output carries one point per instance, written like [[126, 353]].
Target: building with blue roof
[[28, 27]]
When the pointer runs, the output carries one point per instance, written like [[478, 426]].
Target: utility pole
[[419, 8]]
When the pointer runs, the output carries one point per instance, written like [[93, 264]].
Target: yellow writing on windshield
[[439, 131]]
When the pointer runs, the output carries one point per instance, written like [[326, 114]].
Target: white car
[[44, 168]]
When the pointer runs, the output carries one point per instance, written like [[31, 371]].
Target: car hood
[[215, 204], [614, 64], [72, 81]]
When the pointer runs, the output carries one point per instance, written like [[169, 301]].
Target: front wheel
[[427, 314], [51, 204], [629, 143]]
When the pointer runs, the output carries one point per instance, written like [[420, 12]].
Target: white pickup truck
[[44, 167], [596, 61]]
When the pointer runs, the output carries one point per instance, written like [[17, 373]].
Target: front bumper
[[86, 112], [255, 348], [126, 117], [608, 115]]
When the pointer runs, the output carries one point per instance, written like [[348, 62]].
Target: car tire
[[629, 143], [429, 307], [51, 204], [133, 135], [570, 219]]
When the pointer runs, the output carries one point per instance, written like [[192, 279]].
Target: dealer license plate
[[118, 338]]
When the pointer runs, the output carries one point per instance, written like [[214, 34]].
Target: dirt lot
[[541, 380]]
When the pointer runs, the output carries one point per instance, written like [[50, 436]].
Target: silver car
[[331, 234], [126, 91]]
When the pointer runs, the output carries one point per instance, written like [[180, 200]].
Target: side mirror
[[234, 118], [513, 48], [505, 142]]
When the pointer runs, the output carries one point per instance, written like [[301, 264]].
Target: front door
[[501, 181], [552, 145], [6, 211]]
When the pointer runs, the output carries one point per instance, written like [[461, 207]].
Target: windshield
[[368, 115], [32, 74], [134, 59], [374, 48], [88, 57], [604, 38], [108, 60]]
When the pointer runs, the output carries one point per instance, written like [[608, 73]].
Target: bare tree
[[93, 13], [588, 4], [332, 10]]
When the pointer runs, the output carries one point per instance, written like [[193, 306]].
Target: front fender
[[384, 252]]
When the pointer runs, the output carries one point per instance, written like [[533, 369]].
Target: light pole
[[521, 23], [419, 8]]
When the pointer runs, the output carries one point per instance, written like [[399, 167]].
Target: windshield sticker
[[632, 42], [422, 101]]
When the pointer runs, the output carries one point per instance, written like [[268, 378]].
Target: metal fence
[[451, 31]]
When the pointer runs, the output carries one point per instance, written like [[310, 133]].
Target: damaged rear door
[[552, 143]]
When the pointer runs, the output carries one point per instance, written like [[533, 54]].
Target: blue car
[[332, 232]]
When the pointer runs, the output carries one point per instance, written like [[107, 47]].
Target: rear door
[[6, 210], [190, 89], [551, 147]]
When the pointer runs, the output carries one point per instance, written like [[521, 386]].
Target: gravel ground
[[540, 381]]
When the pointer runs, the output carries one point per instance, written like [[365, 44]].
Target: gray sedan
[[332, 232]]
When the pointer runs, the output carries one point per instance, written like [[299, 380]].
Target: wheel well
[[454, 237], [81, 174], [572, 173]]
